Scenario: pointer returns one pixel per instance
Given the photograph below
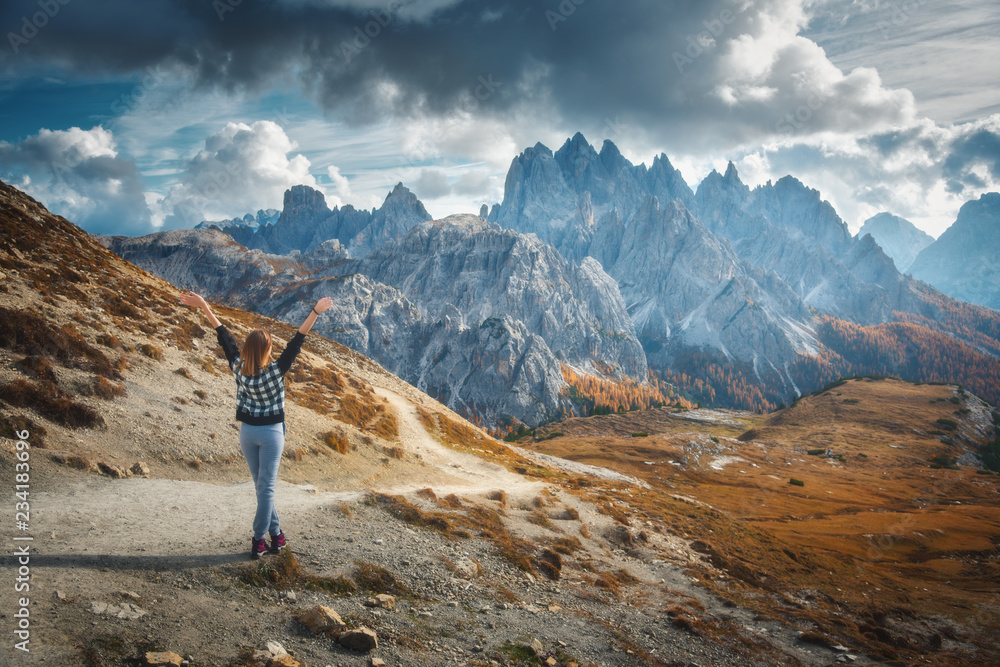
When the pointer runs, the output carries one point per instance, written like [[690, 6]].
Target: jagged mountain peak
[[897, 236], [962, 262], [539, 149], [305, 196], [731, 173], [465, 221]]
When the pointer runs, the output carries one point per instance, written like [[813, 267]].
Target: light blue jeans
[[262, 447]]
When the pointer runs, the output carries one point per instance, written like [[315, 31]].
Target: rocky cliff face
[[963, 262], [305, 222], [683, 285], [471, 270], [787, 228], [210, 261], [898, 237], [479, 316]]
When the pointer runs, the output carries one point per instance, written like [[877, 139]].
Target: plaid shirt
[[260, 398]]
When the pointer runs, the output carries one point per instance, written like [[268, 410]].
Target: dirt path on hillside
[[118, 565], [481, 476]]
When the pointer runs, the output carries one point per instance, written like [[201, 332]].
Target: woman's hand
[[326, 303], [193, 300], [323, 304], [196, 301]]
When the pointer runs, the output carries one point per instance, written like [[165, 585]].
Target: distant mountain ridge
[[305, 222], [898, 237], [739, 296], [482, 317], [964, 262]]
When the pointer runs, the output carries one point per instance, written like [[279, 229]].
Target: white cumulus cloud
[[80, 175], [241, 168]]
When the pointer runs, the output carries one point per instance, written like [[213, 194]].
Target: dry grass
[[499, 496], [539, 518], [10, 426], [874, 529], [26, 332], [106, 389], [377, 579], [336, 441], [51, 402], [283, 572], [154, 352]]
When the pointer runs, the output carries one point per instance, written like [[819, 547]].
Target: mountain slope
[[962, 262], [480, 317], [129, 411], [898, 237]]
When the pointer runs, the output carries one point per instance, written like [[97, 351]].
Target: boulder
[[162, 658], [323, 621], [360, 639]]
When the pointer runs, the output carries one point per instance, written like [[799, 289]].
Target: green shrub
[[947, 424], [640, 434], [955, 399], [942, 461], [796, 482], [816, 452]]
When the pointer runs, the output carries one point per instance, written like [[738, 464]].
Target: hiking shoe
[[258, 547], [278, 543]]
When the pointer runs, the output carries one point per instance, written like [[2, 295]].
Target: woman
[[260, 407]]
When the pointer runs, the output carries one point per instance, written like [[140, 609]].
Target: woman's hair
[[256, 352]]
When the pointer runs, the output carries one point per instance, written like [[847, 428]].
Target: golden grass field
[[876, 547]]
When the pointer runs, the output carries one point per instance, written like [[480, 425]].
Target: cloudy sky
[[126, 116]]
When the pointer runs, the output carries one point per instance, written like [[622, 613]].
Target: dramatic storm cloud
[[441, 94], [704, 74]]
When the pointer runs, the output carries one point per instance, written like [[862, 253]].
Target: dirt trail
[[479, 475], [131, 517]]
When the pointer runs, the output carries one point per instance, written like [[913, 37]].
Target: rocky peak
[[302, 198], [963, 261], [667, 183], [612, 158], [898, 237]]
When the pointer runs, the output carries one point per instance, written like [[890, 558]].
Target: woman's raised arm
[[196, 301], [323, 304]]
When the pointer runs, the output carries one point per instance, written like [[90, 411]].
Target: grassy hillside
[[862, 513]]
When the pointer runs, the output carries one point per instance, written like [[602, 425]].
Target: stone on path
[[163, 658], [323, 621], [360, 639]]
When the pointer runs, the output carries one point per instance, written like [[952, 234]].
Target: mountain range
[[594, 267], [963, 261], [899, 238]]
